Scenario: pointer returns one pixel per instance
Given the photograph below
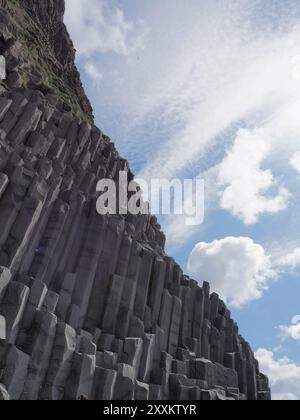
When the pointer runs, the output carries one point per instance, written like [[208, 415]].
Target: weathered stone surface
[[16, 371], [12, 308], [13, 250], [5, 277], [143, 284], [107, 360], [155, 393], [146, 362], [166, 317], [157, 288], [39, 346], [39, 143], [141, 391], [125, 383], [2, 328], [105, 342], [26, 123], [2, 68], [132, 353], [60, 362], [113, 304], [204, 370], [81, 378], [137, 328], [5, 104], [4, 395], [105, 381], [50, 301], [214, 395], [3, 183], [175, 326]]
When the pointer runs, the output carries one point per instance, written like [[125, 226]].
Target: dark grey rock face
[[91, 305], [39, 52]]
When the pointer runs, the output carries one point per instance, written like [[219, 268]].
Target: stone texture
[[2, 328], [4, 395], [5, 277], [105, 381], [2, 68], [12, 308], [91, 307], [16, 371]]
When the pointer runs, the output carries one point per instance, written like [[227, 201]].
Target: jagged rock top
[[34, 34]]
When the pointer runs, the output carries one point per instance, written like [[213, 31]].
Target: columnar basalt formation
[[91, 305]]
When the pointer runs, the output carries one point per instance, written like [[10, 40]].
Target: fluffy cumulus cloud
[[237, 268], [247, 184], [97, 26], [284, 375]]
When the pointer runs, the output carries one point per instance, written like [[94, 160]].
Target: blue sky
[[203, 89]]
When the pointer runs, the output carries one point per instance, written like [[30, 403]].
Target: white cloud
[[284, 375], [247, 184], [177, 232], [203, 72], [96, 26], [290, 261], [237, 268], [295, 161], [204, 102], [93, 72], [291, 331]]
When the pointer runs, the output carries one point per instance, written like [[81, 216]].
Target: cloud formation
[[291, 331], [237, 268], [207, 102], [284, 375], [97, 26], [178, 109], [295, 161], [240, 270], [93, 72], [247, 186], [290, 261]]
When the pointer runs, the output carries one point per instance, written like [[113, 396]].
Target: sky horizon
[[211, 90]]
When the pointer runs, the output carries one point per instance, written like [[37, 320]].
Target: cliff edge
[[40, 54]]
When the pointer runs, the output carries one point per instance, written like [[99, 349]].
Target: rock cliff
[[91, 305]]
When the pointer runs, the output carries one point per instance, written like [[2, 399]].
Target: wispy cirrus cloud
[[97, 26], [245, 82], [175, 95]]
